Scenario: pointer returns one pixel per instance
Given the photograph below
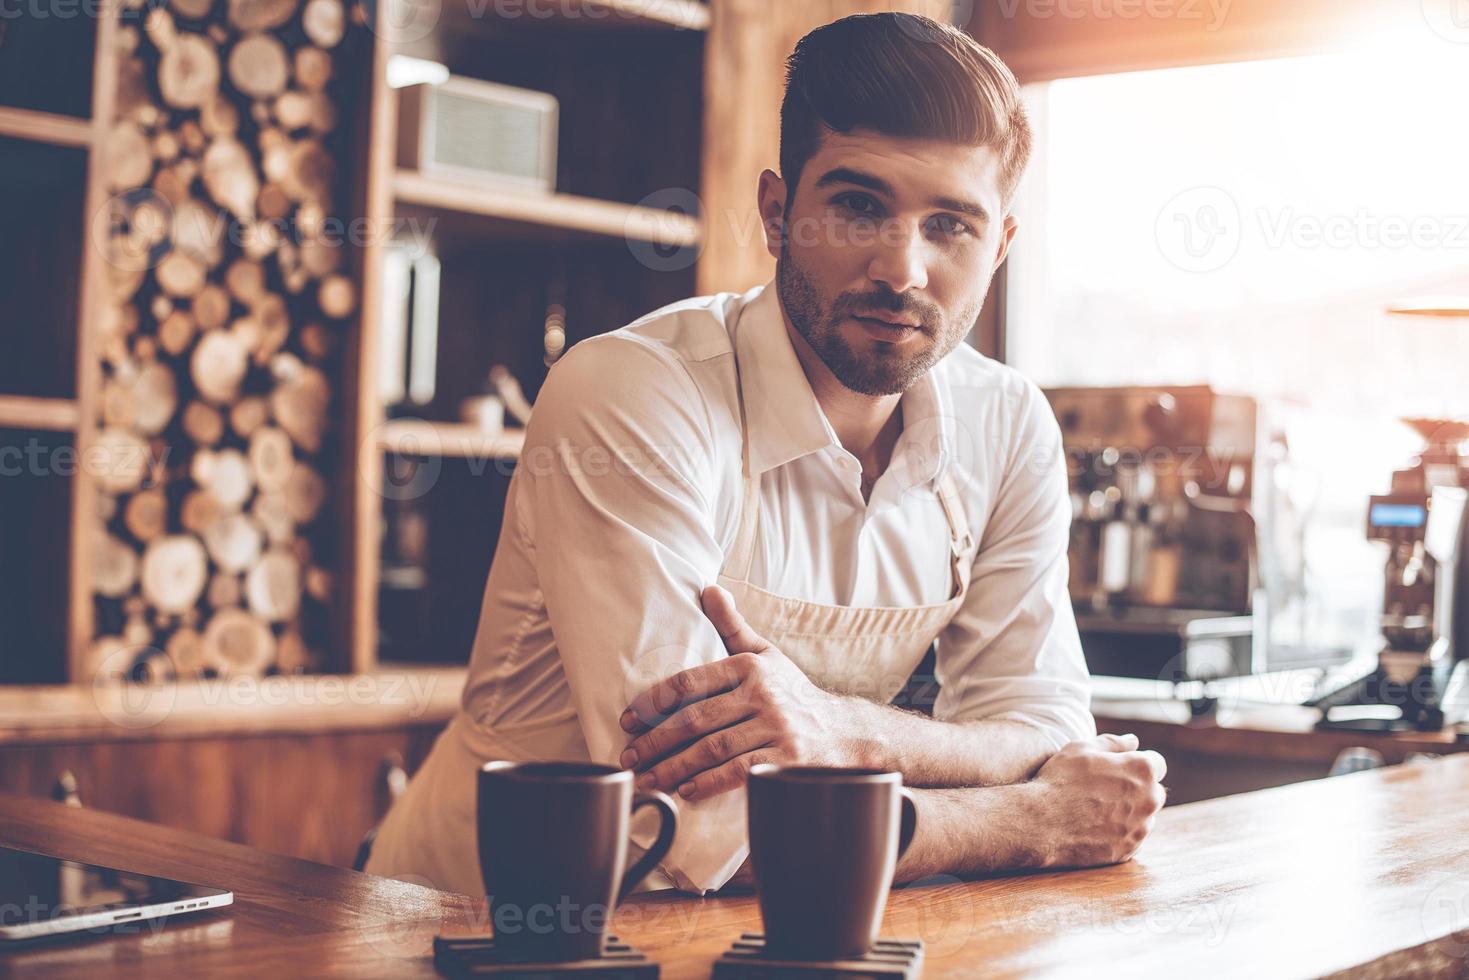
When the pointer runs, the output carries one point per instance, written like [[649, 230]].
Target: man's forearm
[[967, 831], [1092, 804], [941, 753], [977, 831]]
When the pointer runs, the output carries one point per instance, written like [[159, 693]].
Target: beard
[[887, 370]]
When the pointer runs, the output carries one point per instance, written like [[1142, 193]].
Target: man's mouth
[[892, 321], [889, 331]]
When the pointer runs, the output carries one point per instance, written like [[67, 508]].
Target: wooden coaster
[[888, 958], [476, 956]]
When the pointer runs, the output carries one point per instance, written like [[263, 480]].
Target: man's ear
[[1006, 237], [771, 198]]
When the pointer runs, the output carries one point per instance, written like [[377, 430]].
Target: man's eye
[[859, 204], [947, 224]]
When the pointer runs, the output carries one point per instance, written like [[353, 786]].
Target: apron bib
[[870, 652], [866, 651]]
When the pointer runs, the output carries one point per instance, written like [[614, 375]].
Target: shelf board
[[45, 127], [518, 213], [685, 15], [383, 699], [416, 437], [48, 414], [677, 15]]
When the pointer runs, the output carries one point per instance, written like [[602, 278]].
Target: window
[[1245, 226]]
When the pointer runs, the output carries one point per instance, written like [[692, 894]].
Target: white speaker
[[479, 131]]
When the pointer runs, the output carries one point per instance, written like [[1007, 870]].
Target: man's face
[[888, 249]]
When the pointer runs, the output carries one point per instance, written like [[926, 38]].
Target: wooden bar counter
[[1363, 875]]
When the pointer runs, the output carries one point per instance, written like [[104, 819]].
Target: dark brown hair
[[902, 75]]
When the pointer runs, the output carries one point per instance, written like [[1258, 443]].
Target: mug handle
[[666, 828], [909, 824]]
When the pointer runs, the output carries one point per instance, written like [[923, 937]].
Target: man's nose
[[899, 260]]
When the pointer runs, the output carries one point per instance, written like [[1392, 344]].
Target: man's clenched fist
[[1104, 795]]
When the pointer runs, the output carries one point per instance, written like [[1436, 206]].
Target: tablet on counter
[[48, 896]]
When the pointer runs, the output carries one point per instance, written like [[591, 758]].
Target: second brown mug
[[553, 840], [824, 844]]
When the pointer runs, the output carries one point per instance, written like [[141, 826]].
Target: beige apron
[[870, 652]]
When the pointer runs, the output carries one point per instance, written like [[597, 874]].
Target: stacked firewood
[[227, 299]]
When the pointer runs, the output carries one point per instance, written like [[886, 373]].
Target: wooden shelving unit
[[628, 75], [85, 94]]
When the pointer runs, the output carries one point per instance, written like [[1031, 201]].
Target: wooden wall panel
[[308, 796], [744, 80]]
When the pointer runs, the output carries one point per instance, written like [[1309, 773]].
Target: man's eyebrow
[[846, 175], [975, 211]]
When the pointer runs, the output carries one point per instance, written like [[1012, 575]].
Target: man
[[740, 522]]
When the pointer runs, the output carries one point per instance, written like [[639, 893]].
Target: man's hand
[[1103, 795], [702, 729]]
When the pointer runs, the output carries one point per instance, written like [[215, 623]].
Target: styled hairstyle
[[902, 75]]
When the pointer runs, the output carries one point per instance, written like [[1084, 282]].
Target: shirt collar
[[784, 419], [924, 450], [786, 422]]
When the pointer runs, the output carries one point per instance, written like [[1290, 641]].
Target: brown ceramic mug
[[553, 840], [824, 844]]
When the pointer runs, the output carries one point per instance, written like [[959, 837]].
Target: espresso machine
[[1164, 547], [1419, 677]]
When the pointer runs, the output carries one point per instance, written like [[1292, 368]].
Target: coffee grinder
[[1424, 521]]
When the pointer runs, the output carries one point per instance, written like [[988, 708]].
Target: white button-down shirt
[[627, 497]]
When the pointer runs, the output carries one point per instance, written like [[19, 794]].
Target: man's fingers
[[1156, 763], [666, 697], [707, 754], [698, 719], [723, 778], [1117, 743], [738, 636]]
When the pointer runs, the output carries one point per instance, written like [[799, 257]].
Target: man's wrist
[[862, 744], [983, 830], [1035, 826]]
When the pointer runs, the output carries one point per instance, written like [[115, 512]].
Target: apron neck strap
[[742, 553], [961, 540]]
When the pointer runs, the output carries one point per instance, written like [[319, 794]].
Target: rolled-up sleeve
[[619, 473], [1012, 652]]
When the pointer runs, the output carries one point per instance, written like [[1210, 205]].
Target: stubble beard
[[867, 374]]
